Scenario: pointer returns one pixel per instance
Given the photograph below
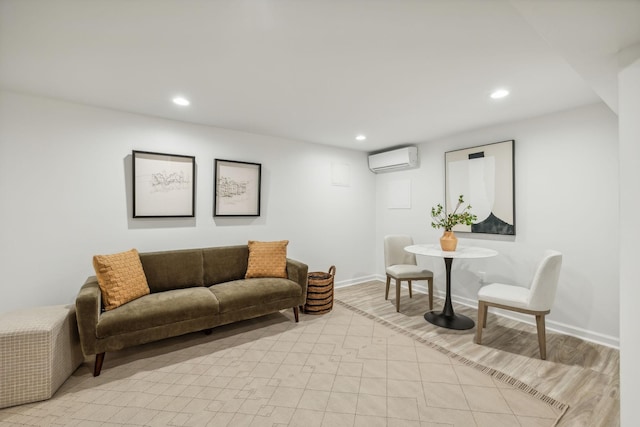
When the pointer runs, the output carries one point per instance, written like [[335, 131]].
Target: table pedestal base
[[456, 321], [448, 318]]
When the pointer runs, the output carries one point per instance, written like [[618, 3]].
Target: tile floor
[[337, 369]]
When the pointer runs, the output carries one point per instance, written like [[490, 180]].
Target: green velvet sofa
[[191, 290]]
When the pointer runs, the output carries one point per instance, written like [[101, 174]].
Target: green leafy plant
[[440, 220]]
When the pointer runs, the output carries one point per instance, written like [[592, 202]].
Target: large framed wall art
[[163, 185], [485, 176], [237, 188]]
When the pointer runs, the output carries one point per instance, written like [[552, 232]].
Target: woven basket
[[320, 292]]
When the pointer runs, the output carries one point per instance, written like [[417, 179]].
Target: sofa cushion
[[267, 259], [173, 269], [241, 294], [158, 309], [224, 264], [120, 277]]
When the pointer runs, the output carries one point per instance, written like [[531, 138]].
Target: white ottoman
[[39, 350]]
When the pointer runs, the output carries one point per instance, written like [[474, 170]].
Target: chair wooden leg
[[482, 313], [386, 293], [295, 313], [398, 285], [542, 336], [98, 365], [410, 292], [430, 285], [484, 316]]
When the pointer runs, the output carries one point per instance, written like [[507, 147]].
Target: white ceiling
[[323, 71]]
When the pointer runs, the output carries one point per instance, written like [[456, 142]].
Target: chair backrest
[[545, 281], [394, 252]]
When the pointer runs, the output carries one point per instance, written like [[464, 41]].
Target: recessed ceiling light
[[500, 93], [181, 101], [361, 137]]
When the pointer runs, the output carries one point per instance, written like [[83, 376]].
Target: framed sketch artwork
[[484, 175], [163, 185], [237, 188]]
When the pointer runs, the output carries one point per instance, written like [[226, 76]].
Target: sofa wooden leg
[[98, 365], [295, 313]]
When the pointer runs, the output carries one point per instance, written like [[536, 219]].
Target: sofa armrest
[[88, 307], [297, 271]]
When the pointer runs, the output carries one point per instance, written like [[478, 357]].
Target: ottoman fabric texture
[[39, 350]]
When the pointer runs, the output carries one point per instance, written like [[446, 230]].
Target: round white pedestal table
[[448, 318]]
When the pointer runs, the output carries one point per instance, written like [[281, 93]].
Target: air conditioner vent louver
[[402, 158]]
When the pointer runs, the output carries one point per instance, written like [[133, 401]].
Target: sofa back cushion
[[224, 264], [173, 269]]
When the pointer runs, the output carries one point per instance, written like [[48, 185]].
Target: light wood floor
[[582, 374]]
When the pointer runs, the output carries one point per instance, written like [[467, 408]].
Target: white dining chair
[[537, 299], [401, 265]]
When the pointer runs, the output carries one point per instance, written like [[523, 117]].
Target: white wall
[[629, 111], [566, 172], [65, 194]]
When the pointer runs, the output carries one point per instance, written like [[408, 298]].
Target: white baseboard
[[562, 328], [355, 281]]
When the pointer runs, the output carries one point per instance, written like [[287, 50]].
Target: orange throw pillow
[[121, 278], [267, 259]]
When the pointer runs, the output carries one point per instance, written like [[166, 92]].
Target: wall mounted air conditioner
[[402, 158]]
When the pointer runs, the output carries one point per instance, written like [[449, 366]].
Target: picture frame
[[163, 185], [485, 176], [237, 188]]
